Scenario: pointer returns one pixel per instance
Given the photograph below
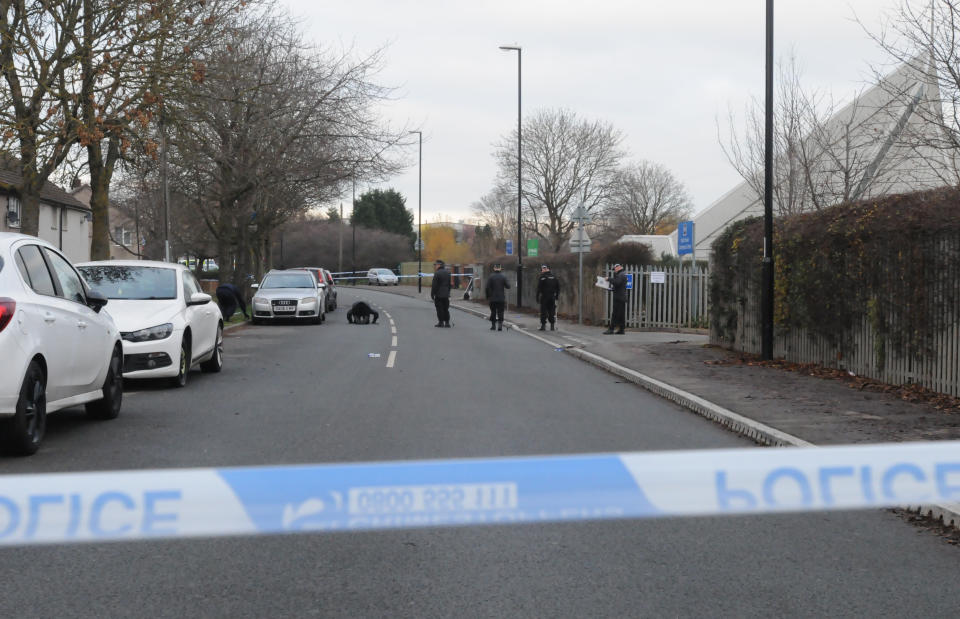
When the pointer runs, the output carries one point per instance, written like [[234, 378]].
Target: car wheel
[[215, 363], [23, 432], [180, 380], [256, 321], [108, 407]]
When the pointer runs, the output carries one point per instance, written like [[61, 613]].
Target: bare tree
[[132, 60], [37, 52], [275, 128], [498, 209], [567, 162], [823, 154], [923, 40], [645, 196]]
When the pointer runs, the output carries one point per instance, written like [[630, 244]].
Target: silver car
[[289, 295]]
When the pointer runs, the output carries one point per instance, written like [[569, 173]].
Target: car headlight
[[259, 300], [308, 300], [151, 333]]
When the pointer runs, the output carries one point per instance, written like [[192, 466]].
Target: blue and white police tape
[[68, 507]]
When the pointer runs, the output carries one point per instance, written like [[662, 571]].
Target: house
[[64, 221]]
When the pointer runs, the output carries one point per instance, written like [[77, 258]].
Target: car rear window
[[37, 274], [131, 282], [288, 280]]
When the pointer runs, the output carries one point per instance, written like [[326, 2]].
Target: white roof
[[659, 243]]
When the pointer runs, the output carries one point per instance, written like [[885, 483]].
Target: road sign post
[[509, 247], [580, 244]]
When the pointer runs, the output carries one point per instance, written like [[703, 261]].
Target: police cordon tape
[[155, 504]]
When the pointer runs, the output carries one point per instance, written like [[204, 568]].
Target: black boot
[[500, 326], [543, 327], [439, 324], [620, 332], [553, 327], [446, 324], [608, 332], [493, 325]]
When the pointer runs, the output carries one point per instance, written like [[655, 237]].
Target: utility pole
[[766, 295]]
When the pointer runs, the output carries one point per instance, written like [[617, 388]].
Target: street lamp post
[[420, 215], [519, 179], [766, 294]]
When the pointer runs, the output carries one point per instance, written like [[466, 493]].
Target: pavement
[[773, 405]]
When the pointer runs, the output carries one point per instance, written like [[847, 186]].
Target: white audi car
[[167, 323], [57, 348]]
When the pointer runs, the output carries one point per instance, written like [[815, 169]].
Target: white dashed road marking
[[394, 342], [391, 358]]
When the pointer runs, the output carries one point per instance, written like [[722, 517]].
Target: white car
[[167, 323], [289, 294], [57, 348], [382, 277]]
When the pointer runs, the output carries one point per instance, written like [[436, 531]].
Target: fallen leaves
[[908, 392]]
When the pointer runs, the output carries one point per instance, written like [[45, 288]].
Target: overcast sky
[[664, 72]]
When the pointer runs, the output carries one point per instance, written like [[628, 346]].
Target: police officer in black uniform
[[229, 298], [548, 291], [440, 294], [618, 286], [495, 290]]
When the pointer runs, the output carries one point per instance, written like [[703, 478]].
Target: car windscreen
[[131, 282], [384, 271], [288, 280]]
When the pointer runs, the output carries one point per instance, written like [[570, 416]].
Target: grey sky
[[661, 71]]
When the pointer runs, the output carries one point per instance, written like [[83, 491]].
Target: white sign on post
[[658, 277]]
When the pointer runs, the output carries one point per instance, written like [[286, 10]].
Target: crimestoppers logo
[[312, 514]]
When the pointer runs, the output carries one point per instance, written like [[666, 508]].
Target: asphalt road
[[307, 394]]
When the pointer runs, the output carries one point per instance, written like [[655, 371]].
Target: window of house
[[122, 236], [64, 218], [13, 211]]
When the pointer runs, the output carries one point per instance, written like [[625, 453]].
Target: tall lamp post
[[766, 293], [419, 214], [510, 48]]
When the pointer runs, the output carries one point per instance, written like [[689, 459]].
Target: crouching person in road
[[360, 314], [495, 290]]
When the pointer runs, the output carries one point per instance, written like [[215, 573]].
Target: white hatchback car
[[382, 277], [57, 348], [167, 323]]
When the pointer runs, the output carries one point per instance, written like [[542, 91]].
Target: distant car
[[326, 279], [57, 348], [382, 277], [167, 322], [289, 294]]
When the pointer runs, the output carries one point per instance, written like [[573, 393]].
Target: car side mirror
[[95, 300], [324, 286], [199, 298]]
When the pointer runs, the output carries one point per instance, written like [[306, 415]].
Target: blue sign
[[685, 238], [509, 247], [629, 281]]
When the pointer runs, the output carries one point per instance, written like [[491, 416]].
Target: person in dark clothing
[[548, 291], [496, 294], [360, 314], [618, 286], [229, 298], [440, 294]]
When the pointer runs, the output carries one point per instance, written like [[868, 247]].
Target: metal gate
[[672, 297]]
